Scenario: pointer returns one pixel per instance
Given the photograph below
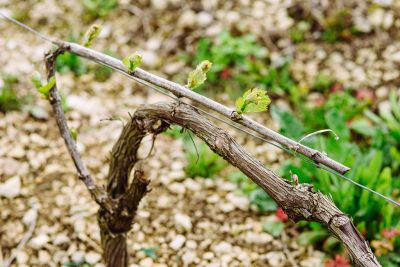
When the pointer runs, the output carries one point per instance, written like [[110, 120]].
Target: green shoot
[[9, 100], [42, 88], [198, 76], [36, 80], [253, 100], [91, 33], [132, 61], [74, 133]]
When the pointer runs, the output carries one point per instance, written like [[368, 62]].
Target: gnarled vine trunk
[[299, 202]]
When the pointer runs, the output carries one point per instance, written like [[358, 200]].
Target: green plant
[[99, 8], [91, 34], [132, 61], [274, 228], [261, 200], [298, 32], [322, 82], [151, 251], [238, 61], [387, 247], [198, 76], [42, 88], [253, 100], [70, 62], [9, 100], [338, 26], [279, 80], [383, 132], [202, 161], [229, 51], [102, 73], [372, 214], [177, 132], [246, 186], [311, 237], [314, 118]]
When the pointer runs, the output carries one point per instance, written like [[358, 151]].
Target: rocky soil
[[185, 222]]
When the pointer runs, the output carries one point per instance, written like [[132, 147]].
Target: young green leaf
[[132, 61], [205, 66], [91, 33], [42, 88], [275, 228], [36, 80], [311, 237], [253, 100], [74, 133], [151, 252], [198, 76]]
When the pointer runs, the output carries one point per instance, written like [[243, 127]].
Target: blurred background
[[325, 64]]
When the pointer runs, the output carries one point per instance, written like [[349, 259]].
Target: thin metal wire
[[158, 89], [26, 27], [322, 167]]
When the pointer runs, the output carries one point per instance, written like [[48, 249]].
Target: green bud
[[74, 133], [36, 79], [132, 61], [92, 33], [198, 76], [253, 100]]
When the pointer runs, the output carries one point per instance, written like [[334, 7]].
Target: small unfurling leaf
[[42, 88], [92, 33], [205, 65], [74, 133], [132, 61], [253, 100], [36, 80], [198, 76]]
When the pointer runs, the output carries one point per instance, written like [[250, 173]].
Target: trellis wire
[[158, 89]]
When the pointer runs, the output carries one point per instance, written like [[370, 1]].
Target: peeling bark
[[299, 202], [118, 204], [114, 227]]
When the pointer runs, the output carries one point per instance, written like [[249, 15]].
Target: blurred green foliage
[[238, 62], [201, 160], [261, 200], [102, 73], [299, 31], [99, 8], [383, 132], [9, 100], [370, 165], [322, 82], [338, 26], [70, 62], [274, 228], [369, 143]]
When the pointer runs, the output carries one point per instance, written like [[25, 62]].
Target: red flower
[[225, 74], [365, 93], [336, 87], [282, 216], [390, 233], [319, 101], [339, 261]]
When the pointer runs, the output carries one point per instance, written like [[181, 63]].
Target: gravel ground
[[187, 222]]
